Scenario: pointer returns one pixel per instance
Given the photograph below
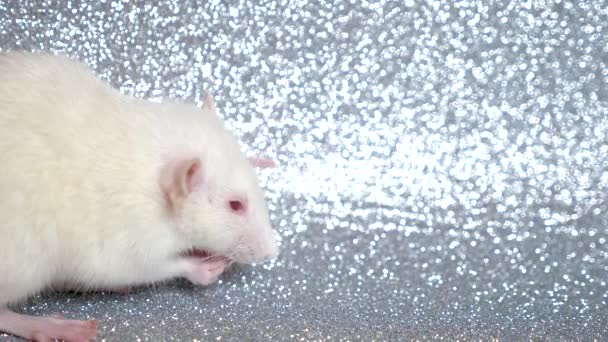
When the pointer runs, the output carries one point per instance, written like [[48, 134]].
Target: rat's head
[[215, 198]]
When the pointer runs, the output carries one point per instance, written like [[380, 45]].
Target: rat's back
[[54, 117], [50, 108]]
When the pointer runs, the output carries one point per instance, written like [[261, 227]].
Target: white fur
[[81, 200]]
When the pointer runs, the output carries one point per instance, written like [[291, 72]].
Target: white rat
[[107, 191]]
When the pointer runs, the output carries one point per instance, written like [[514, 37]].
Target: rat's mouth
[[204, 266], [204, 255]]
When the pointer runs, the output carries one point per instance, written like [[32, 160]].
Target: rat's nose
[[271, 249], [270, 252], [274, 252]]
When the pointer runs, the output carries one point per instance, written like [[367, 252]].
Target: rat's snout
[[256, 247], [270, 247], [272, 251]]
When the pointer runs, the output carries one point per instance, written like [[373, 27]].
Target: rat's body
[[105, 191]]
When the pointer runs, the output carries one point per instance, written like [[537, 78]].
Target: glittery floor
[[443, 166]]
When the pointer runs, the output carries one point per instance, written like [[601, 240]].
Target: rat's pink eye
[[237, 206]]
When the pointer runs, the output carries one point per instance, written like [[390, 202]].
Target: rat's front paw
[[205, 272]]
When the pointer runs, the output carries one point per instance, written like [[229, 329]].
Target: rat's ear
[[178, 179], [263, 163], [208, 103]]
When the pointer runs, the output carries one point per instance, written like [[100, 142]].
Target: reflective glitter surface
[[443, 165]]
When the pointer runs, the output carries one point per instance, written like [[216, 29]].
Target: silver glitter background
[[443, 165]]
